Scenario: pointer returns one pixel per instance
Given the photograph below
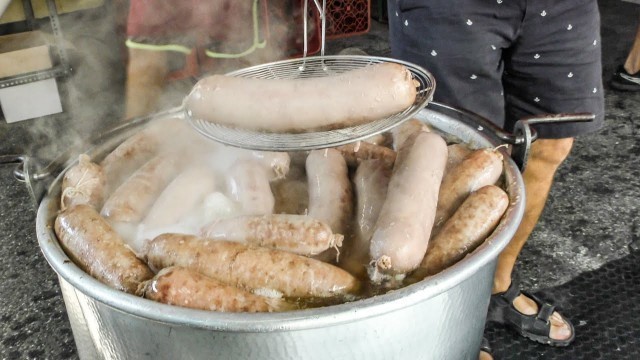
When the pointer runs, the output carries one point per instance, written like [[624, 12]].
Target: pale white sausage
[[330, 192], [401, 235], [131, 201], [183, 194], [134, 152], [248, 185], [402, 132], [370, 183], [301, 105]]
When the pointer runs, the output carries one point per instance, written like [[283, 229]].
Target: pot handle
[[37, 177], [524, 134], [29, 171]]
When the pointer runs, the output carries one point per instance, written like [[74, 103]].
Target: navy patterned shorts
[[507, 59]]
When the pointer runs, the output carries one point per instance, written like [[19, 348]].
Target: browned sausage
[[474, 220], [354, 153], [457, 153], [481, 167], [402, 231], [251, 267], [97, 249], [84, 183], [187, 288], [299, 234]]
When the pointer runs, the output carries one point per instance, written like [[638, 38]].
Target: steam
[[94, 95]]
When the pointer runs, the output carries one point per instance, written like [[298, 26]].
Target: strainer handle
[[323, 23]]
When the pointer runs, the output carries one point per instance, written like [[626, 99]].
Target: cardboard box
[[15, 10], [21, 54]]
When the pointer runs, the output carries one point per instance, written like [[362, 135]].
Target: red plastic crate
[[347, 18]]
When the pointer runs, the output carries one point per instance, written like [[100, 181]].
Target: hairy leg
[[545, 158], [146, 77]]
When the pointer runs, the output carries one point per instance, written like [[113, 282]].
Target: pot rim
[[290, 320]]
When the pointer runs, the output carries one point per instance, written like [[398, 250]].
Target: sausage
[[183, 194], [298, 234], [371, 182], [131, 201], [402, 132], [303, 105], [330, 192], [96, 248], [138, 149], [248, 185], [474, 220], [251, 267], [187, 288], [354, 153], [84, 183], [402, 231], [457, 153], [277, 162], [481, 167]]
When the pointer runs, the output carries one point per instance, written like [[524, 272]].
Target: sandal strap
[[485, 346], [529, 323], [538, 324], [512, 292], [545, 310]]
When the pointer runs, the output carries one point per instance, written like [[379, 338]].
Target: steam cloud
[[94, 95]]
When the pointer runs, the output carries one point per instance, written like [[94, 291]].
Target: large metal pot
[[441, 317]]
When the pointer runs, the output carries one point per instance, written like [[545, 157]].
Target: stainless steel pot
[[441, 317]]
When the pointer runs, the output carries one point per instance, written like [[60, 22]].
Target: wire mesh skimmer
[[315, 67]]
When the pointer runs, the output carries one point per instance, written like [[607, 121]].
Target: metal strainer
[[315, 67]]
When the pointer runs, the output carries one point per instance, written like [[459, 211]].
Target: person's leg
[[542, 76], [545, 158], [146, 77], [632, 64], [627, 76]]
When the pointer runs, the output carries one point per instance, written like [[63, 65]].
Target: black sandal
[[535, 327], [486, 347]]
